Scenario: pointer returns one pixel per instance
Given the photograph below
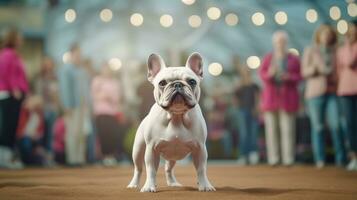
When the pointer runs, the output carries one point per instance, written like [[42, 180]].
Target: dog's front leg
[[152, 160], [199, 157]]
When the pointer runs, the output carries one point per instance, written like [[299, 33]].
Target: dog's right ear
[[155, 64]]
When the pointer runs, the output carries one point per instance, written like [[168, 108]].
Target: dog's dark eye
[[192, 82], [162, 83]]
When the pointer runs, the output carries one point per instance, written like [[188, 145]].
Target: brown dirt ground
[[231, 182]]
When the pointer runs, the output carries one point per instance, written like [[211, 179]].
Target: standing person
[[247, 94], [88, 72], [106, 99], [347, 89], [319, 71], [46, 86], [280, 73], [13, 89], [73, 98]]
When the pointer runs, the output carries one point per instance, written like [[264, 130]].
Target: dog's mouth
[[179, 100]]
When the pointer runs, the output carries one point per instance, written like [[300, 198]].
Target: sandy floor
[[300, 182]]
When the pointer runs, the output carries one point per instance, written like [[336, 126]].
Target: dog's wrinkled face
[[176, 89]]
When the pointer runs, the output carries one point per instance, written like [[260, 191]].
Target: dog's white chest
[[175, 149], [176, 145]]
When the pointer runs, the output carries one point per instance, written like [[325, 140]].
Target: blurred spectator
[[88, 73], [30, 132], [319, 70], [247, 94], [59, 131], [75, 102], [46, 85], [13, 89], [347, 89], [217, 131], [106, 99], [280, 73], [145, 93]]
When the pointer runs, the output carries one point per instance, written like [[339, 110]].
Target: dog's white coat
[[171, 133]]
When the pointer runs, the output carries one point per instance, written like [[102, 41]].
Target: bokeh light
[[352, 9], [253, 62], [115, 64], [194, 21], [136, 19], [231, 19], [342, 26], [311, 15], [258, 18], [294, 51], [166, 20], [66, 57], [188, 2], [106, 15], [215, 69], [213, 13], [70, 15], [335, 13], [281, 18]]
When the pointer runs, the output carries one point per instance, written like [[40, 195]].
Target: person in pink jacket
[[106, 99], [347, 89], [13, 89], [280, 73]]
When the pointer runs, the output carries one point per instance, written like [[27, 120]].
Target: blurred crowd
[[285, 112]]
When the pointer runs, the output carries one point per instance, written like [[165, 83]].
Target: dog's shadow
[[252, 191]]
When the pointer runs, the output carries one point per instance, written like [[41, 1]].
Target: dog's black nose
[[178, 85]]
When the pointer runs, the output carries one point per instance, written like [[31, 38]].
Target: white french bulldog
[[174, 126]]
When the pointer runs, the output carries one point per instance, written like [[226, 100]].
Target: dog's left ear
[[194, 62]]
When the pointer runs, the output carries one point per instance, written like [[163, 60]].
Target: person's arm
[[11, 64], [265, 73], [293, 72], [307, 67], [64, 78]]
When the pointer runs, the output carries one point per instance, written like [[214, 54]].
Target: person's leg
[[271, 135], [25, 149], [333, 119], [226, 141], [82, 135], [70, 138], [4, 133], [11, 111], [316, 112], [287, 134], [243, 133], [50, 118], [354, 126], [349, 110], [253, 139]]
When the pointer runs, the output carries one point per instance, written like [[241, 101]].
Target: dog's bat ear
[[194, 62], [155, 64]]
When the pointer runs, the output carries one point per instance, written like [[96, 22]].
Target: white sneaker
[[109, 162], [320, 164], [7, 159], [242, 161], [253, 158], [352, 165]]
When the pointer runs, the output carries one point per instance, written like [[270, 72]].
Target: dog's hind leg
[[170, 176], [138, 158]]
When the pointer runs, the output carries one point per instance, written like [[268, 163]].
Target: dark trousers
[[10, 111], [349, 108], [110, 134]]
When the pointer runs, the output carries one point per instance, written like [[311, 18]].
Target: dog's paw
[[148, 188], [174, 184], [206, 187]]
